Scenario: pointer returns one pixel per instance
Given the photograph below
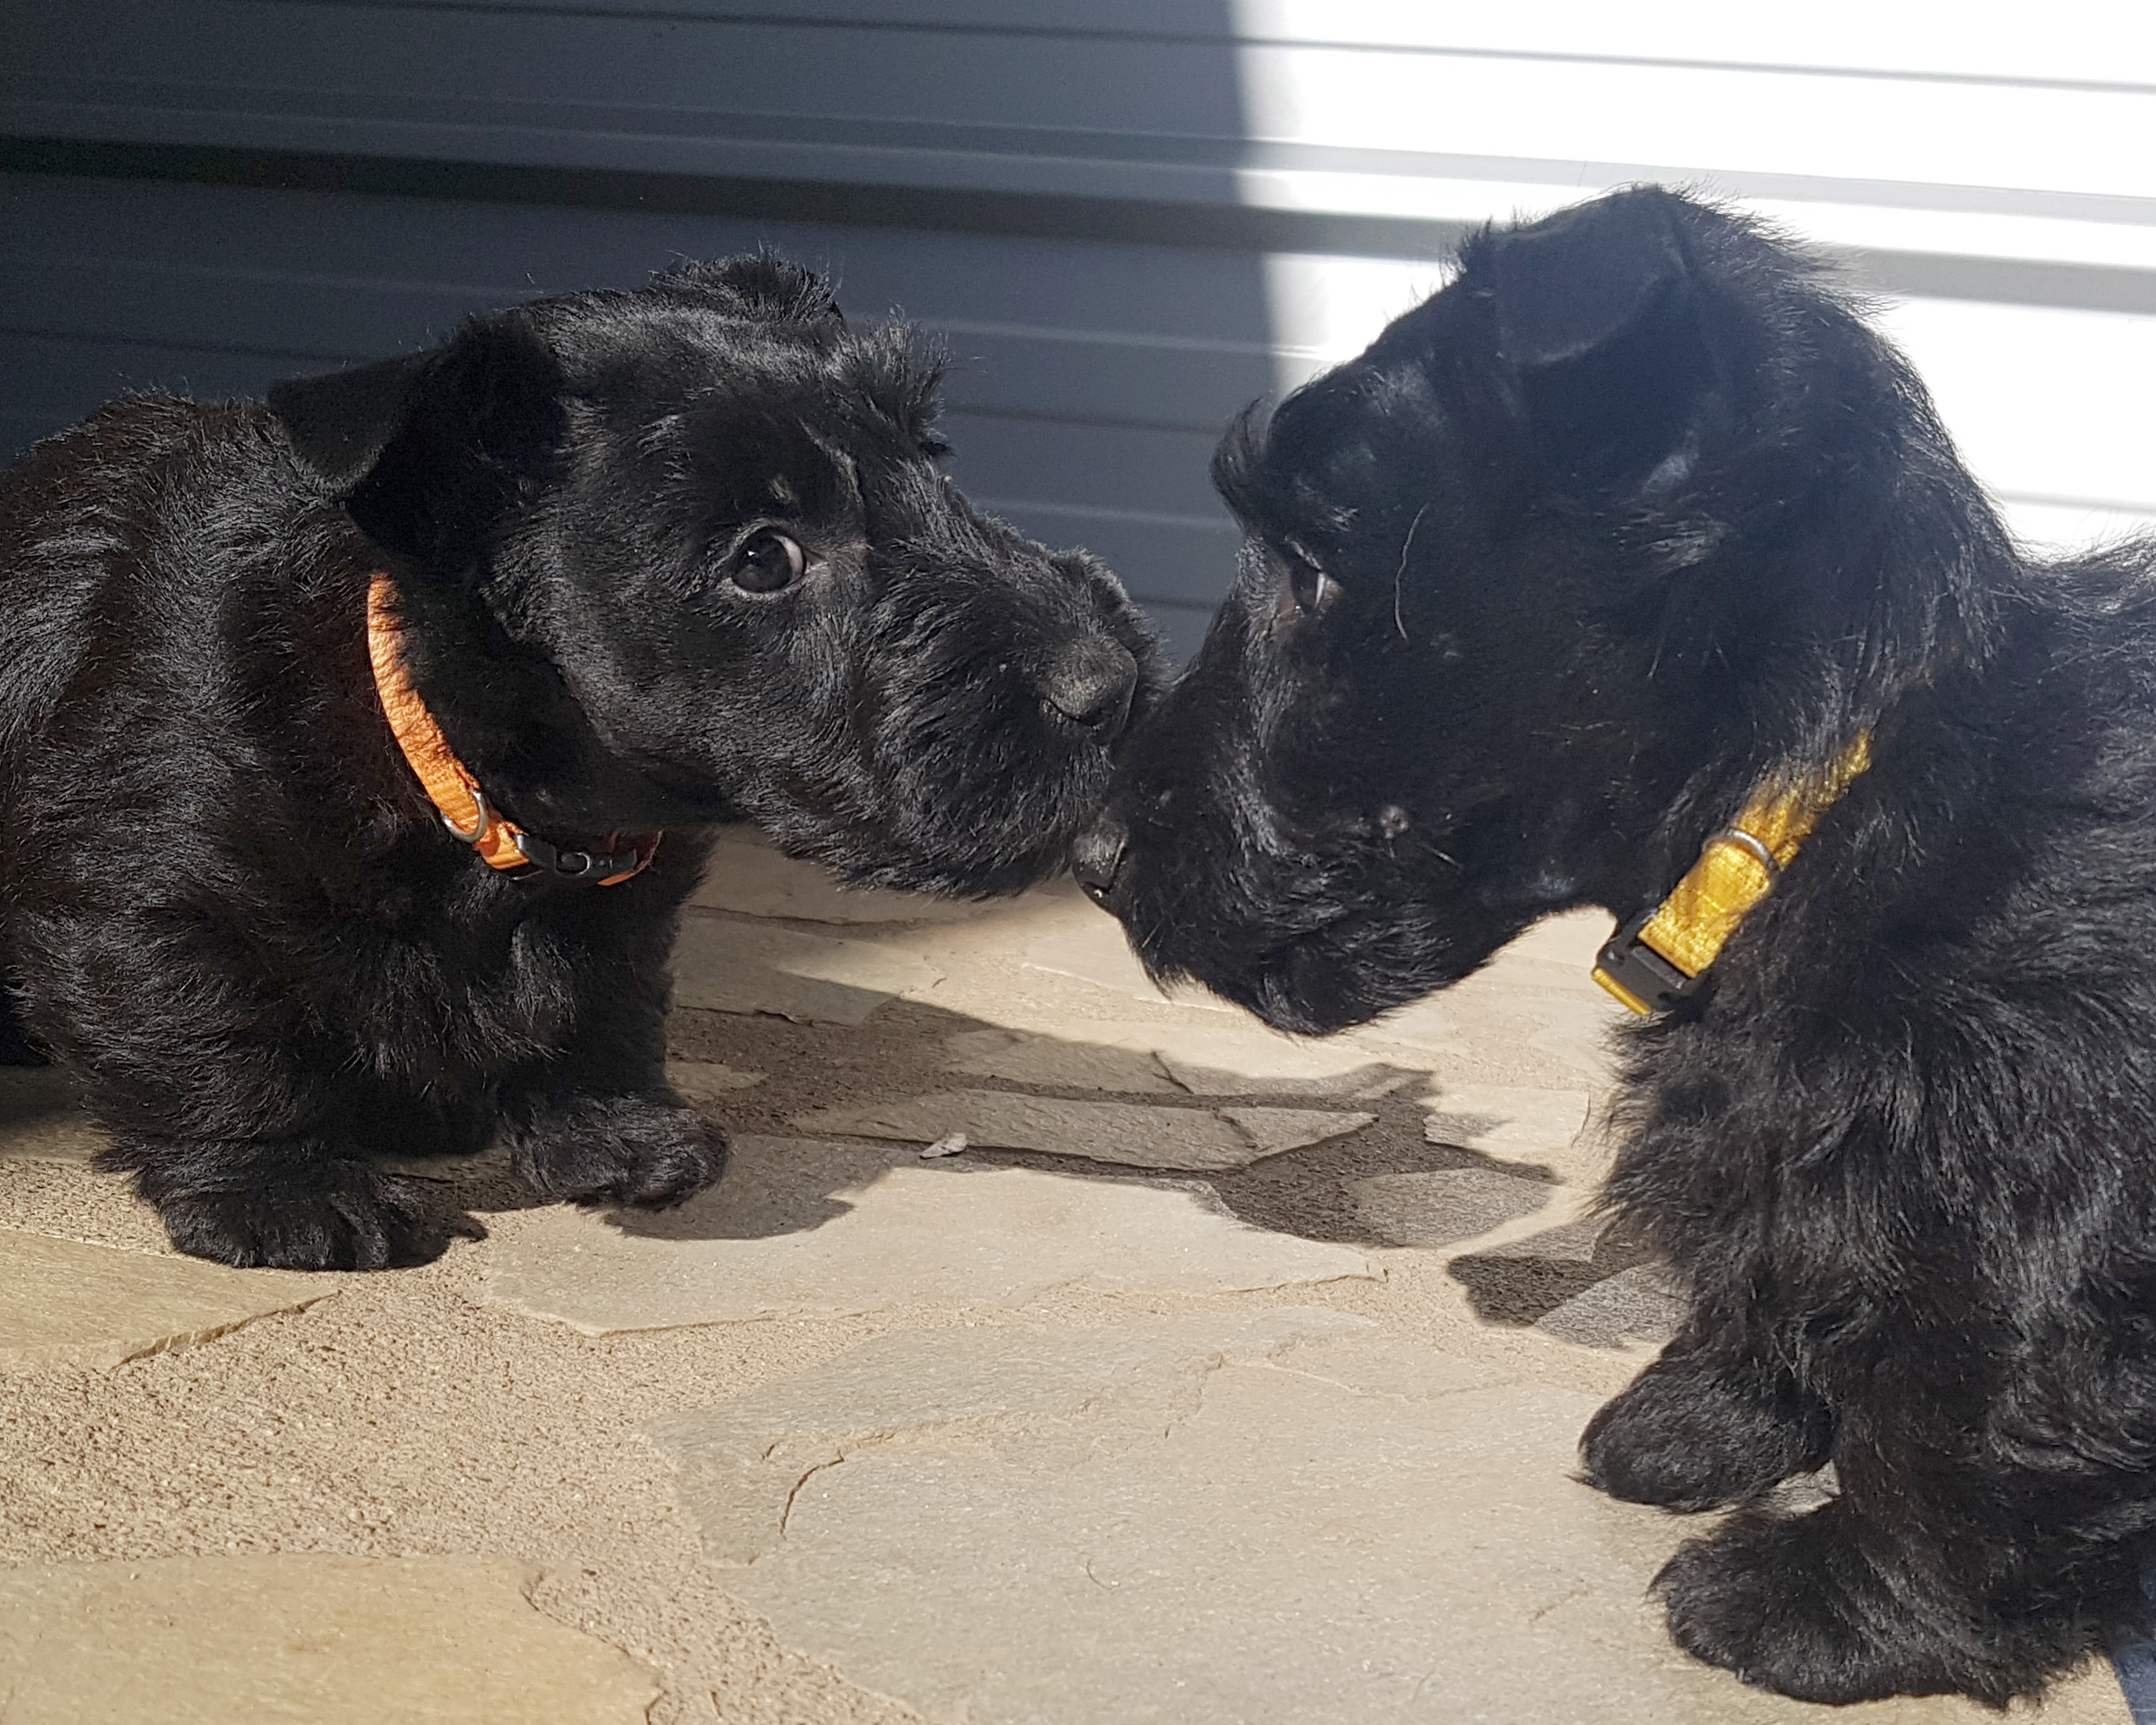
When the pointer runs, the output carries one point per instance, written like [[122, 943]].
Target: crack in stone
[[178, 1340], [1562, 1599], [786, 1515], [1402, 1396]]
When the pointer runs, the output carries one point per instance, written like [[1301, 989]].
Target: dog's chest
[[456, 1009]]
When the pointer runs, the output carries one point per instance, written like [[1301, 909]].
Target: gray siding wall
[[1089, 381], [1127, 218], [1091, 376]]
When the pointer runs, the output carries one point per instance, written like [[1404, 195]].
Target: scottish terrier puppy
[[356, 752], [1634, 570]]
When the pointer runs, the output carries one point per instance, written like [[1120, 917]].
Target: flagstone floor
[[1054, 1352]]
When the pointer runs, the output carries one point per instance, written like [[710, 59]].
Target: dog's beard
[[910, 813], [1354, 968], [1317, 917]]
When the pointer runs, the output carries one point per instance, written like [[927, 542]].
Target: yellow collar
[[1657, 960]]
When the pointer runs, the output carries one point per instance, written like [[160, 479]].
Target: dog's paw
[[278, 1207], [619, 1150], [1687, 1437], [1809, 1608]]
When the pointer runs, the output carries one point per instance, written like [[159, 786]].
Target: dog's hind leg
[[18, 1047], [1701, 1428]]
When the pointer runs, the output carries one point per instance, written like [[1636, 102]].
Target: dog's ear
[[337, 424], [1598, 320], [1566, 286], [428, 451]]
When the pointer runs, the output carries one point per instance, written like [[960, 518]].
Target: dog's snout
[[1090, 683], [1097, 859]]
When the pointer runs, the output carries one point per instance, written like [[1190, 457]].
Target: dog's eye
[[766, 562], [1309, 586]]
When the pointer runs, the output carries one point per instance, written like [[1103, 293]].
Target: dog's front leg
[[598, 1122], [1704, 1426], [642, 1147], [299, 1203], [1907, 1584]]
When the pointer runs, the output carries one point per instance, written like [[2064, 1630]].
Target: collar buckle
[[586, 867], [1640, 977]]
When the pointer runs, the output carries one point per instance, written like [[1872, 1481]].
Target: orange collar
[[500, 841]]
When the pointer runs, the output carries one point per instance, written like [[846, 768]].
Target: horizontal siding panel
[[326, 321], [2045, 402], [1113, 380], [1066, 485], [1080, 329], [2086, 42], [1987, 182], [607, 74], [1102, 467], [2004, 159], [1730, 121], [2090, 41], [1030, 112], [1175, 562], [298, 321], [51, 382], [499, 253], [1098, 436]]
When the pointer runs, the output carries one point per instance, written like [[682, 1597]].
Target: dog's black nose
[[1097, 857], [1090, 683]]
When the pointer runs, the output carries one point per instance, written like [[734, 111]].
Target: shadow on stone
[[1381, 1184], [1522, 1283], [772, 1187]]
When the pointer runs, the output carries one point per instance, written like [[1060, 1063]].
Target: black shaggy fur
[[1634, 514], [664, 559]]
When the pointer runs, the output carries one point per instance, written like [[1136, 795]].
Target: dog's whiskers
[[1400, 573]]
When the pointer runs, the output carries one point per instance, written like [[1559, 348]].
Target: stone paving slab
[[1534, 1003], [1640, 1304], [750, 967], [1017, 1057], [1442, 1206], [1514, 1122], [1247, 1060], [709, 1080], [313, 1639], [1553, 1278], [64, 1302], [1278, 1516], [1127, 1133], [1532, 1017], [804, 1228], [1204, 1059], [40, 1120], [1094, 950], [1506, 1119], [749, 877]]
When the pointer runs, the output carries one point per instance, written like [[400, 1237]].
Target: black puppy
[[1633, 570], [590, 578]]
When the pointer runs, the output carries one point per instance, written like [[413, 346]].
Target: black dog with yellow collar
[[1634, 570]]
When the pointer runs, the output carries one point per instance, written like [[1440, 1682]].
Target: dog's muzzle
[[1097, 860], [1091, 684]]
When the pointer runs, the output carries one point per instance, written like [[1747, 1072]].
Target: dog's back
[[93, 525]]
